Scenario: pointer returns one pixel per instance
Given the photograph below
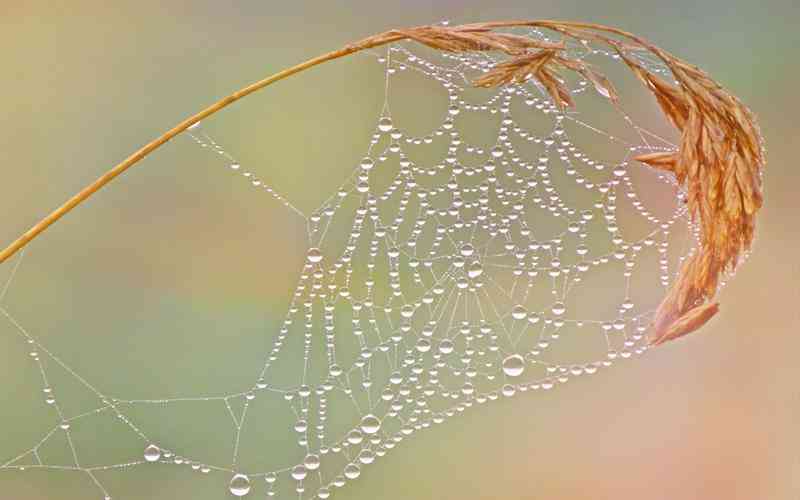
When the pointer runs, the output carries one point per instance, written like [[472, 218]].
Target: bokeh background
[[164, 282]]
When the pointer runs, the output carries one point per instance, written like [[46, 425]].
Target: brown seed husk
[[719, 160]]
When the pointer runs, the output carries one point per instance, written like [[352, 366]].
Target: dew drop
[[446, 346], [367, 163], [152, 453], [355, 437], [311, 462], [370, 424], [299, 472], [514, 365], [352, 471], [467, 250], [475, 270], [314, 255], [519, 312], [239, 485], [385, 124]]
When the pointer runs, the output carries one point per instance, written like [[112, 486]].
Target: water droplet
[[239, 485], [355, 436], [514, 365], [385, 124], [519, 312], [314, 255], [407, 311], [559, 308], [352, 471], [423, 345], [299, 472], [446, 346], [467, 250], [367, 163], [152, 453], [311, 462], [366, 456], [475, 270], [370, 424], [270, 477]]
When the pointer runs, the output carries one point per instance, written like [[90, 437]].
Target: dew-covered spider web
[[509, 248]]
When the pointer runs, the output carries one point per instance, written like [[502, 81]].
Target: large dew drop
[[385, 124], [370, 424], [446, 346], [519, 312], [514, 365], [299, 472], [314, 255], [475, 270], [352, 471], [240, 485], [311, 462], [152, 453]]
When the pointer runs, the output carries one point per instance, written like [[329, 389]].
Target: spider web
[[445, 272]]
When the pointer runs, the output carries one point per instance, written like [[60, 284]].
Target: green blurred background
[[162, 284]]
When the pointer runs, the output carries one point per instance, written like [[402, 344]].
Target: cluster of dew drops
[[469, 266], [512, 365]]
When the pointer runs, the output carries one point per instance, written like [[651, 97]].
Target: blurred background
[[163, 283]]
